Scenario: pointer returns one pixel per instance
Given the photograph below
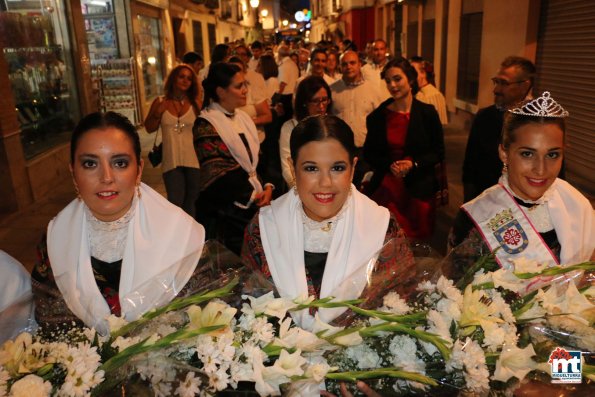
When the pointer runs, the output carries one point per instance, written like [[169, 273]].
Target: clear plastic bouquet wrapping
[[229, 333]]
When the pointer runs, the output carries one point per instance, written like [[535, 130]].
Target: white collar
[[359, 235], [163, 246]]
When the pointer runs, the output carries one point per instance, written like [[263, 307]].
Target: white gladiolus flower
[[297, 338], [506, 279], [271, 306], [350, 339], [514, 362], [31, 386], [524, 265], [290, 364], [318, 371], [534, 313]]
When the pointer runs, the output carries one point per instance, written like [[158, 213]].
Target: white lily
[[514, 362], [476, 307], [214, 313], [12, 353], [289, 364], [524, 265]]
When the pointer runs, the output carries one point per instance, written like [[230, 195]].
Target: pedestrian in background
[[175, 113]]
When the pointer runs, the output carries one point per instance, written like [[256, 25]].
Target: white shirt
[[252, 64], [178, 146], [371, 72], [353, 103], [430, 95], [272, 86], [288, 74]]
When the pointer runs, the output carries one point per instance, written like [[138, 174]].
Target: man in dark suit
[[482, 166]]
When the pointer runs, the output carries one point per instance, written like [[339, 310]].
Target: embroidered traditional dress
[[227, 147], [132, 265], [301, 256]]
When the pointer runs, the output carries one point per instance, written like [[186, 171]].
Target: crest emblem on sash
[[509, 233]]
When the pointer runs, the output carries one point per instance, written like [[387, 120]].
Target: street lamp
[[254, 3], [264, 13]]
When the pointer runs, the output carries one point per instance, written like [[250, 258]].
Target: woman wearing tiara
[[530, 213]]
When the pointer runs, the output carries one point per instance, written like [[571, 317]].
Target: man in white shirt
[[428, 93], [353, 100], [371, 71], [257, 50], [288, 76], [318, 60]]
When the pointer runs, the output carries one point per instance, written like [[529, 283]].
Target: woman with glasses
[[175, 114], [312, 98], [227, 145], [404, 145]]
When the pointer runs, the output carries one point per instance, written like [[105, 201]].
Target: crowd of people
[[306, 169]]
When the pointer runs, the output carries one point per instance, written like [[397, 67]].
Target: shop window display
[[40, 72], [151, 56]]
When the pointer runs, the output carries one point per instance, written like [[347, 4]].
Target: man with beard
[[482, 166]]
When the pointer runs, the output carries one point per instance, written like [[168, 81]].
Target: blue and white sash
[[504, 225]]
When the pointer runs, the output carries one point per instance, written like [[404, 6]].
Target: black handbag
[[156, 154]]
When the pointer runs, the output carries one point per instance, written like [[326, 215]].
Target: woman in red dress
[[405, 145]]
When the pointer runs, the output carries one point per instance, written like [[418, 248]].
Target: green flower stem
[[142, 347], [333, 338], [354, 376], [415, 318], [403, 329], [557, 270], [483, 286], [487, 262], [326, 303], [177, 304]]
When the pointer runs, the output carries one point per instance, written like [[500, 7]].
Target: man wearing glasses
[[482, 166]]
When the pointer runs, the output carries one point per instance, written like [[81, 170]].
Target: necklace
[[179, 98], [179, 126]]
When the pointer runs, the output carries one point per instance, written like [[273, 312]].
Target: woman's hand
[[364, 388], [401, 167], [264, 198]]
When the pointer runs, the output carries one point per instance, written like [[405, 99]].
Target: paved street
[[21, 231]]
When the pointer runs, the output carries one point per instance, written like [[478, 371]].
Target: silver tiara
[[544, 106]]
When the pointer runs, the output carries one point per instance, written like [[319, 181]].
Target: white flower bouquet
[[481, 335]]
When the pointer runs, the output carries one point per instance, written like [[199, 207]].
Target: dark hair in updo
[[512, 122], [220, 75], [101, 121], [407, 68], [320, 128]]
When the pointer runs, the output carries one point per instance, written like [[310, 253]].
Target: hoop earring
[[505, 168]]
